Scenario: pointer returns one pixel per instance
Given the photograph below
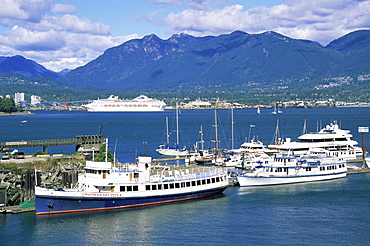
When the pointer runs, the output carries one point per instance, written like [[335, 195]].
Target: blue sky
[[69, 33]]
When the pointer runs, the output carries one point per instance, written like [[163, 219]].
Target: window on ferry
[[182, 184], [136, 175], [154, 187], [198, 182], [172, 185], [165, 186], [217, 179], [147, 187], [99, 171], [193, 183], [159, 187], [213, 180], [129, 188], [122, 188], [208, 181], [188, 184], [177, 185], [203, 181], [135, 188]]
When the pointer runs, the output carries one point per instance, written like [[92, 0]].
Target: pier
[[85, 142]]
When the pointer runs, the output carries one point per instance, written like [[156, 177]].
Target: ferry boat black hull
[[58, 204]]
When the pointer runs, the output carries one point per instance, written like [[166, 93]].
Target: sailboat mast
[[167, 135], [232, 128], [216, 132], [201, 137], [177, 125]]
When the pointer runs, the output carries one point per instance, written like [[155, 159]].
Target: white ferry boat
[[288, 170], [105, 186], [330, 140], [114, 104]]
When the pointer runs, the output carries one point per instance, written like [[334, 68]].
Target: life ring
[[136, 180]]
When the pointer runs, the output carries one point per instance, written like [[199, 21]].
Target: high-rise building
[[19, 97]]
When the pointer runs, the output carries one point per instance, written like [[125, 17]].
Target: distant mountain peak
[[20, 65]]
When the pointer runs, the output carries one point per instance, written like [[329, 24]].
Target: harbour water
[[333, 212]]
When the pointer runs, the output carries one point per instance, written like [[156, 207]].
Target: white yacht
[[288, 170], [331, 140], [114, 104]]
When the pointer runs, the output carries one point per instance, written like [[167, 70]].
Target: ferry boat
[[291, 169], [330, 140], [141, 103], [105, 185]]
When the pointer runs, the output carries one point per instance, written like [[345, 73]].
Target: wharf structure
[[84, 143]]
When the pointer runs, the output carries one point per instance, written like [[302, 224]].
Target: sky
[[61, 34]]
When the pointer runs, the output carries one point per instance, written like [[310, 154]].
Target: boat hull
[[46, 204], [247, 180]]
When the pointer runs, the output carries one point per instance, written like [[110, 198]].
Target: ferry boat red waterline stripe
[[105, 187]]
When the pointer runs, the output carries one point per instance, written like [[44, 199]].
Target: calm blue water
[[323, 213]]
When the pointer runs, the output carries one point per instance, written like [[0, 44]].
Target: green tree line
[[7, 105]]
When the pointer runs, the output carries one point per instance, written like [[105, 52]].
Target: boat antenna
[[114, 154], [304, 127], [106, 150]]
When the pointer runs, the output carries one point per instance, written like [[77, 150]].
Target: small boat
[[24, 121], [291, 169], [105, 186]]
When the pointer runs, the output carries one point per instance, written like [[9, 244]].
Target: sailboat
[[165, 149], [258, 110], [206, 158]]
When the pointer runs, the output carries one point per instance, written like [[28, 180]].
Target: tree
[[7, 105], [101, 155]]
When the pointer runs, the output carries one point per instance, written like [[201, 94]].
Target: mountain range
[[235, 60], [232, 61]]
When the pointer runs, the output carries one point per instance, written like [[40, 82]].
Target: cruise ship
[[114, 104]]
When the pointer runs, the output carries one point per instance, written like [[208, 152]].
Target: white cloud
[[63, 9], [27, 10], [57, 42], [318, 20]]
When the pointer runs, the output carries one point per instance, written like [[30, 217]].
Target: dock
[[15, 209]]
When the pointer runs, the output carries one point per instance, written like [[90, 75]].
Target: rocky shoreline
[[20, 187]]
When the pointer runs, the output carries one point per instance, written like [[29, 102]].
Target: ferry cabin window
[[217, 179], [136, 175], [198, 182], [213, 180], [177, 185], [122, 188], [165, 186], [159, 187], [154, 187], [182, 184], [188, 184], [147, 187], [193, 183], [129, 188], [172, 185]]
